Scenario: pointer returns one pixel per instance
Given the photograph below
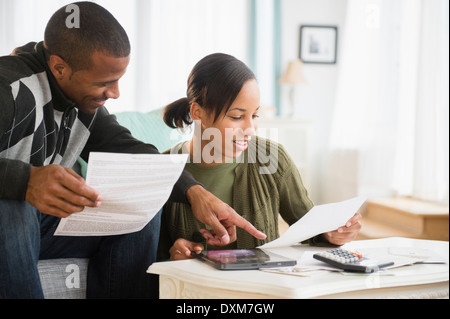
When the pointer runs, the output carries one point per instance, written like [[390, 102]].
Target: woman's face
[[227, 137]]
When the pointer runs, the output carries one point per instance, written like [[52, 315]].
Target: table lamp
[[293, 76]]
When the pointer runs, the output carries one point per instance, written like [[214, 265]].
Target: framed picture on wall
[[318, 44]]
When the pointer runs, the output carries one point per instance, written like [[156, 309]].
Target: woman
[[253, 175]]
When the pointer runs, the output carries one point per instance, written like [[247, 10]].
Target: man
[[52, 97]]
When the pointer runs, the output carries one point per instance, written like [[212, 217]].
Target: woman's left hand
[[182, 249], [346, 233]]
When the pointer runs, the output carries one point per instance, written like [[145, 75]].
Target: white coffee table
[[192, 279]]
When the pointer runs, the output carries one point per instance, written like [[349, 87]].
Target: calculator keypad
[[351, 261], [340, 255]]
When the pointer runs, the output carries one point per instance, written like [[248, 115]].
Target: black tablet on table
[[242, 259]]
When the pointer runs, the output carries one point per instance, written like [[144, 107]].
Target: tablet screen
[[244, 259]]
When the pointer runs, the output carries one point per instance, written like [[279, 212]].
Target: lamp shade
[[294, 73]]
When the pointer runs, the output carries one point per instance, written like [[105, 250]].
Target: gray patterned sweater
[[40, 126]]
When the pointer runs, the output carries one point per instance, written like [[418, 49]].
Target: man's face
[[92, 87]]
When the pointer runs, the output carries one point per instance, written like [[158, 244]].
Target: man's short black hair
[[97, 30]]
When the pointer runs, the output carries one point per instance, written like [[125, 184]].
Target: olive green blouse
[[262, 184]]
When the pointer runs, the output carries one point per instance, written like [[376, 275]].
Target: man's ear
[[59, 68]]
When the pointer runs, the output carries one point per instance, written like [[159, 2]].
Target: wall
[[314, 100]]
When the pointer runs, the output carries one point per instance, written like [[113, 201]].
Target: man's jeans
[[117, 264]]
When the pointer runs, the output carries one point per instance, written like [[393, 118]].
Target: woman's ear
[[197, 112]]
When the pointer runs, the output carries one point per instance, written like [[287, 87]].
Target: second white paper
[[134, 188], [320, 219]]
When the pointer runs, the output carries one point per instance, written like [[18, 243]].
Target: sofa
[[66, 278]]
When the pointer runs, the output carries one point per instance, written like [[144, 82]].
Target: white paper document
[[134, 188], [320, 219]]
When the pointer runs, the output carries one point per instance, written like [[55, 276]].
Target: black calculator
[[351, 261]]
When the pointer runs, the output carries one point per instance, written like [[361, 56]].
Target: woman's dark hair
[[98, 30], [214, 83]]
